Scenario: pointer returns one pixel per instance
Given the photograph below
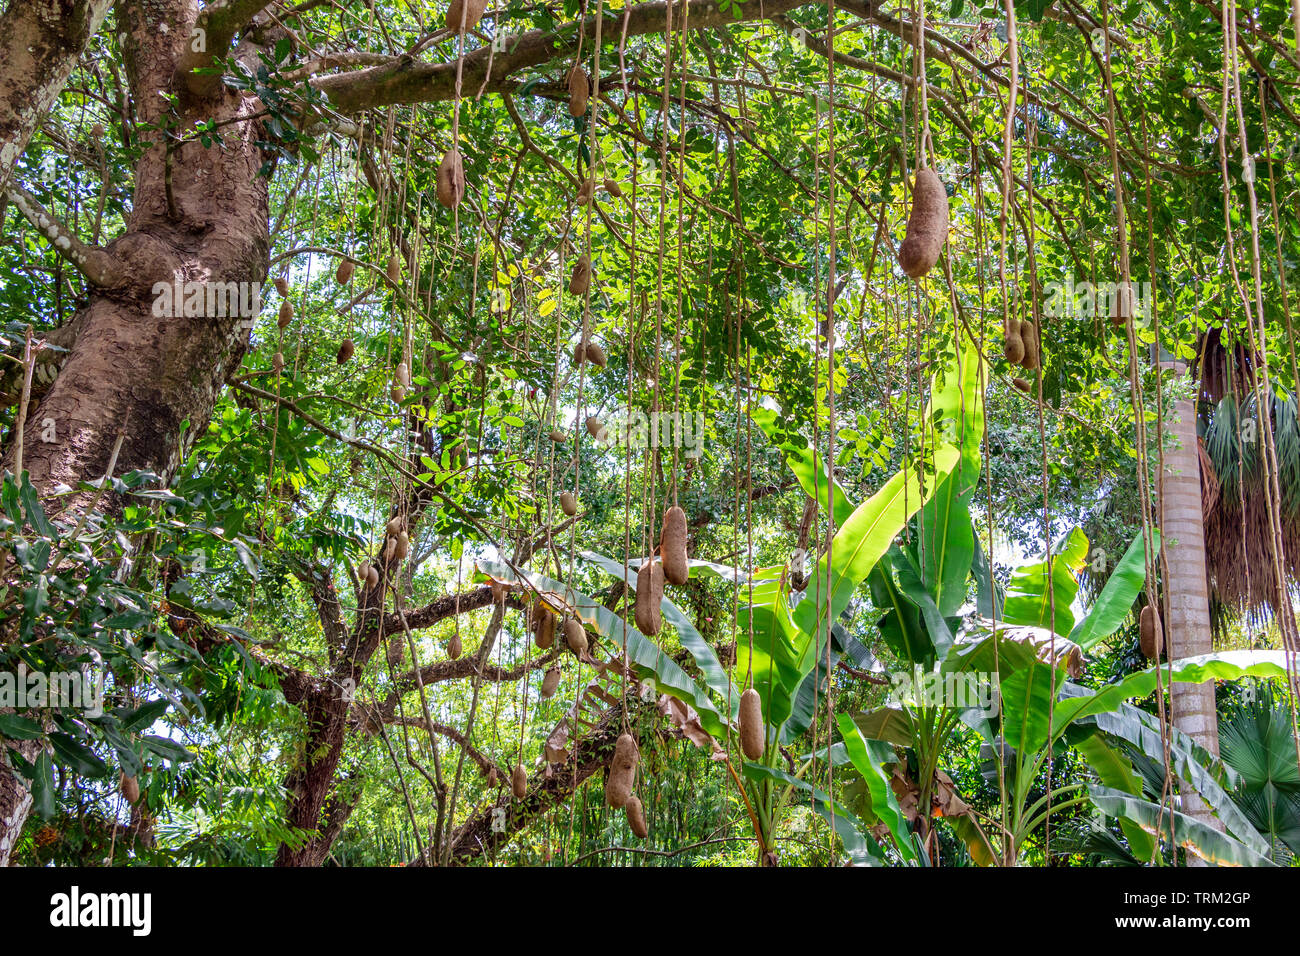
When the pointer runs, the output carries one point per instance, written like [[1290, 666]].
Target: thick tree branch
[[100, 267]]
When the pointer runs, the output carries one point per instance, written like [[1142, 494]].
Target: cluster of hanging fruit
[[1021, 346], [618, 788]]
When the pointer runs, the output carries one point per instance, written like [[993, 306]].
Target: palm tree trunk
[[1187, 621]]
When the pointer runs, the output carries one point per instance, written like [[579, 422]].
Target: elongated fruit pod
[[343, 275], [672, 545], [395, 524], [558, 436], [282, 285], [403, 545], [575, 636], [402, 375], [580, 281], [372, 577], [130, 788], [390, 549], [345, 352], [585, 192], [568, 503], [579, 91], [471, 10], [613, 188], [649, 595], [544, 635], [286, 314], [751, 725], [580, 353], [595, 429], [596, 355], [550, 682], [1023, 385], [453, 647], [636, 816], [363, 576], [397, 394], [1013, 346], [393, 270], [1029, 335], [1150, 633], [519, 782], [622, 770], [277, 361], [451, 179], [927, 226]]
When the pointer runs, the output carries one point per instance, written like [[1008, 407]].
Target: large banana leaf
[[945, 543], [1115, 602], [868, 757], [1117, 773], [715, 675], [862, 850], [1200, 839], [648, 659], [902, 625], [1028, 600], [768, 644], [807, 467]]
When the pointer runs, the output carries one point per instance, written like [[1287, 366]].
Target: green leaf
[[1115, 602], [1205, 842], [1028, 599], [76, 756], [14, 727], [868, 758], [43, 801], [808, 468], [167, 749]]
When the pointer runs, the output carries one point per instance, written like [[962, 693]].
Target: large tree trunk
[[40, 43], [200, 214], [1187, 623]]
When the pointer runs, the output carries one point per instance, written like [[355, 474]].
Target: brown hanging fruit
[[579, 353], [372, 577], [403, 545], [395, 524], [580, 281], [282, 285], [544, 636], [453, 647], [130, 788], [568, 503], [363, 575], [649, 595], [1021, 384], [579, 91], [1151, 634], [1013, 346], [345, 352], [492, 778], [402, 375], [558, 436], [277, 361], [927, 226], [451, 178], [596, 355], [575, 636], [672, 545], [751, 725], [1121, 305], [595, 429], [344, 274], [471, 10], [519, 782], [636, 816], [393, 270], [585, 192], [398, 394], [286, 314], [622, 770], [1029, 335], [613, 188], [550, 682]]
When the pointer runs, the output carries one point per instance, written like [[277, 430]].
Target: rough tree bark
[[199, 214], [40, 43]]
